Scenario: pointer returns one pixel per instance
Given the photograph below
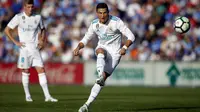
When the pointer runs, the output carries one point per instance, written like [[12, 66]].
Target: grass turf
[[111, 99]]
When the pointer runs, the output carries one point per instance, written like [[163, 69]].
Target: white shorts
[[111, 62], [29, 58], [112, 59]]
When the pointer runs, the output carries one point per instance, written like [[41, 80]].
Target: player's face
[[103, 15], [28, 8]]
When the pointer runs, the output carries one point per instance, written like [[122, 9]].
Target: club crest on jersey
[[23, 17]]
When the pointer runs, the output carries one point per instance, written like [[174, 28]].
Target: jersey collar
[[25, 15]]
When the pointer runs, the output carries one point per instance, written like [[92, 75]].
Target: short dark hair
[[102, 5], [28, 2]]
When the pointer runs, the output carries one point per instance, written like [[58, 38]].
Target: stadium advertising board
[[189, 74], [57, 73], [125, 74], [149, 74], [9, 73]]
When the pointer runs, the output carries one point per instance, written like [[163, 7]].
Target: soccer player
[[31, 33], [109, 30]]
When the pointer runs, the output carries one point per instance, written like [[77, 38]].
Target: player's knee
[[40, 70], [107, 74], [101, 55], [100, 51], [25, 71]]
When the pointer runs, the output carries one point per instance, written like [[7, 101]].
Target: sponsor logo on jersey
[[109, 30], [30, 26], [35, 21]]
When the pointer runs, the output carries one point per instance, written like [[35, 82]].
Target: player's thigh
[[37, 60], [24, 61], [111, 63], [100, 50]]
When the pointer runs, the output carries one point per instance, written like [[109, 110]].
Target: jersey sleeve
[[125, 30], [89, 34], [14, 22]]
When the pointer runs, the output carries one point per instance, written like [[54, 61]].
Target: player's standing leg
[[24, 65], [43, 84], [25, 82]]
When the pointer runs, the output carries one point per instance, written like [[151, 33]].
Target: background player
[[109, 30], [31, 33]]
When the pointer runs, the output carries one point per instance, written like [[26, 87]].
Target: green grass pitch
[[111, 99]]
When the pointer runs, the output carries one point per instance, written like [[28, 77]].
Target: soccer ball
[[181, 24]]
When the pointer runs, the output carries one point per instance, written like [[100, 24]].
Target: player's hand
[[40, 45], [122, 51], [76, 52], [20, 44]]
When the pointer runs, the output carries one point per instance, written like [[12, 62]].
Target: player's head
[[28, 6], [102, 12]]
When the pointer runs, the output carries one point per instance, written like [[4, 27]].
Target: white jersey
[[109, 34], [28, 30], [28, 27]]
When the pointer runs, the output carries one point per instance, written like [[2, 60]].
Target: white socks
[[94, 92], [100, 64], [97, 88], [25, 82], [43, 84]]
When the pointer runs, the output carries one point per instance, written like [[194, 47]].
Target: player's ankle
[[87, 104]]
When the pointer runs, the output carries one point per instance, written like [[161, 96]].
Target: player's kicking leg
[[100, 65], [43, 84]]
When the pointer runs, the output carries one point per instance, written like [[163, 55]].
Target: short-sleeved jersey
[[28, 27], [109, 34]]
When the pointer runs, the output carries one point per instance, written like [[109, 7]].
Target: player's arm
[[89, 34], [9, 30], [41, 39], [80, 46], [41, 36], [126, 32]]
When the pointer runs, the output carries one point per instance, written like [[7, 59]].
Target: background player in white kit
[[109, 30], [31, 33]]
